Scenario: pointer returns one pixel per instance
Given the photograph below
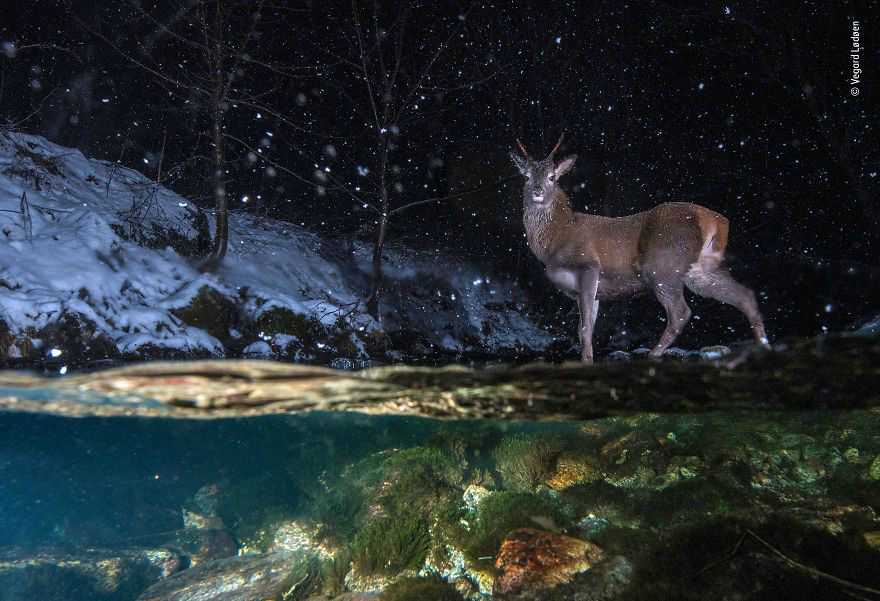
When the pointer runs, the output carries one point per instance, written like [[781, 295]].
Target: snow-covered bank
[[97, 260]]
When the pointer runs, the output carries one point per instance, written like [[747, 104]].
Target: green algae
[[504, 511], [388, 545], [525, 461], [420, 589]]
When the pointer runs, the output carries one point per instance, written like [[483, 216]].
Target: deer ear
[[521, 163], [565, 166]]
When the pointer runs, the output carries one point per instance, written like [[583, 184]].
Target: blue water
[[692, 486]]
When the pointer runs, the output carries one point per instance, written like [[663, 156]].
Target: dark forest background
[[334, 114]]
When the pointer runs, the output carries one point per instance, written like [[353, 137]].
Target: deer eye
[[551, 177]]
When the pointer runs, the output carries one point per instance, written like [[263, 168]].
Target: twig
[[711, 565], [815, 572]]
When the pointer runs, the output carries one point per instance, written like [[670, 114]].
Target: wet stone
[[472, 496], [574, 467], [232, 579], [873, 471], [27, 575], [296, 536], [533, 560]]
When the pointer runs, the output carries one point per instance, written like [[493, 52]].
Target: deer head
[[540, 187]]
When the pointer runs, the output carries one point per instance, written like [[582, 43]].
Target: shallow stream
[[325, 504]]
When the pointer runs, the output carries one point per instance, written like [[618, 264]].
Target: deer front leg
[[588, 308]]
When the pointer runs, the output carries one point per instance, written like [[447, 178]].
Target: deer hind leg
[[671, 296], [717, 283]]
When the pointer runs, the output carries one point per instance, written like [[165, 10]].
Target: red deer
[[664, 249]]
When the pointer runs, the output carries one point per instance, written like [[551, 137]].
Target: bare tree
[[386, 68], [202, 59]]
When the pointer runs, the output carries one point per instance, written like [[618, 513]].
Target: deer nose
[[538, 192]]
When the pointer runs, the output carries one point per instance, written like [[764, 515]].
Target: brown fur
[[664, 249]]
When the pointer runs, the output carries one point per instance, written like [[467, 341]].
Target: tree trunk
[[378, 246], [221, 233], [379, 240], [218, 95]]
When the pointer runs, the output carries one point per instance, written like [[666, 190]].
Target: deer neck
[[545, 224]]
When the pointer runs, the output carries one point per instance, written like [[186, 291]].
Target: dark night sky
[[744, 108]]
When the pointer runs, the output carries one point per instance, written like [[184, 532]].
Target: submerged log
[[833, 373]]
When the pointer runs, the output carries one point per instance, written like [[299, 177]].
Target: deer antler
[[555, 148], [523, 150]]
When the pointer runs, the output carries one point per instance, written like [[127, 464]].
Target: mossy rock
[[336, 509], [417, 479], [311, 340], [333, 571], [501, 512], [420, 589], [77, 337], [304, 580], [210, 311], [389, 545], [574, 467], [526, 461]]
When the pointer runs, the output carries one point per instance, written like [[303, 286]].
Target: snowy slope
[[93, 263]]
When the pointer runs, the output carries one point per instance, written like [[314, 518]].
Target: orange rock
[[531, 560]]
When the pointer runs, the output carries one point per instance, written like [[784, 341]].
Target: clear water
[[723, 505]]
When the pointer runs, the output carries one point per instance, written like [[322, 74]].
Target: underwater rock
[[680, 467], [297, 537], [207, 500], [634, 460], [632, 444], [366, 583], [193, 520], [532, 560], [26, 575], [829, 517], [873, 471], [351, 596], [464, 575], [574, 467], [607, 580], [232, 579], [204, 536], [873, 539], [206, 545], [525, 461], [430, 588], [472, 496]]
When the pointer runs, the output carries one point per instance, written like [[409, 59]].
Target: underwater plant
[[335, 510], [525, 461], [388, 545], [501, 512], [304, 579], [420, 589], [415, 479]]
